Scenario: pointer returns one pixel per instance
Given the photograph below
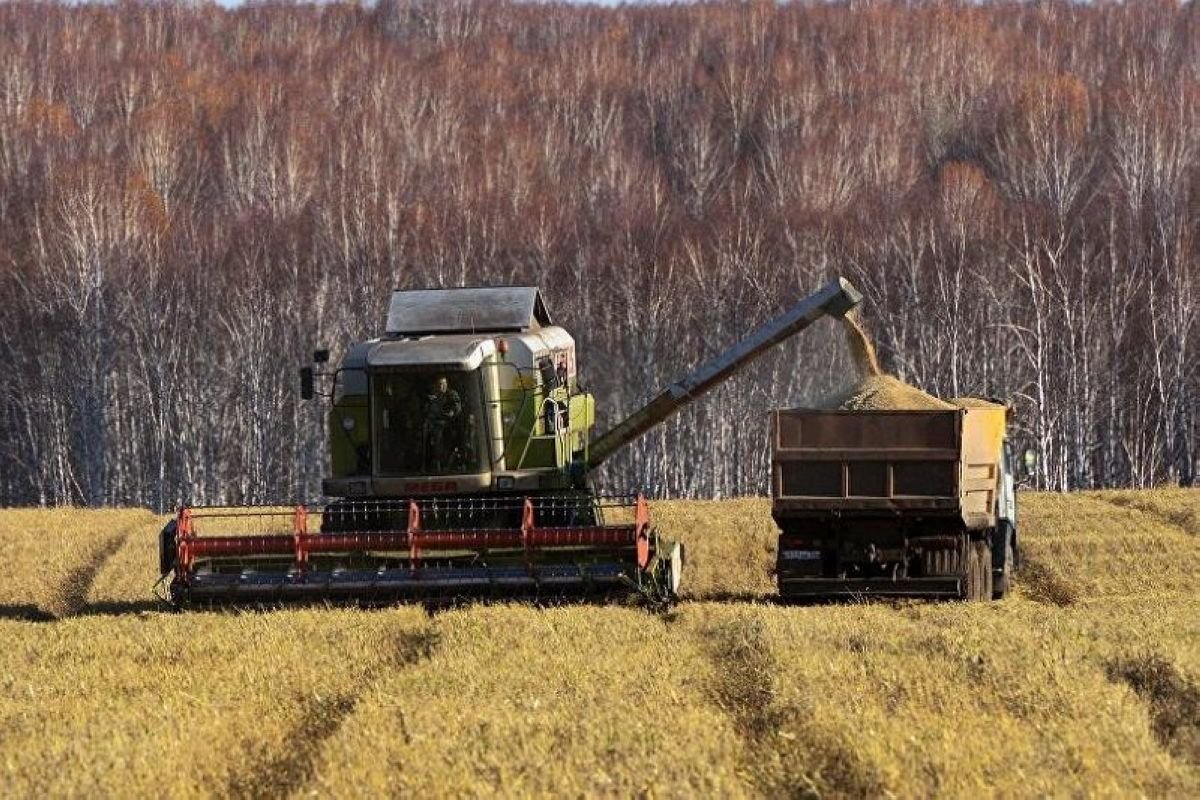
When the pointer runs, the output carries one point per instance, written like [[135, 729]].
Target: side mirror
[[320, 356], [306, 383]]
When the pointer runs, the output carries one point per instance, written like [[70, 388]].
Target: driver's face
[[442, 385]]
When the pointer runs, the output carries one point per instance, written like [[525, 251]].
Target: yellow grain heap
[[974, 402], [876, 391], [885, 393]]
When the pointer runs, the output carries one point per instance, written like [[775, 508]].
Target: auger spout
[[834, 299]]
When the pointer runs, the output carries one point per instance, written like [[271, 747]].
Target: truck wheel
[[977, 572], [985, 569], [941, 561], [1002, 580], [970, 573]]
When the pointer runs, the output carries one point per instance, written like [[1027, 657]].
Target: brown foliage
[[192, 197]]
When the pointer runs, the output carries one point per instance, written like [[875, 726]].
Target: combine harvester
[[460, 457]]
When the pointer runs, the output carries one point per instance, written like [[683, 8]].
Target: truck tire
[[977, 572], [970, 573], [1003, 580], [985, 569], [941, 561]]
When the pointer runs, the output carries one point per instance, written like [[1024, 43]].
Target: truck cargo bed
[[907, 464]]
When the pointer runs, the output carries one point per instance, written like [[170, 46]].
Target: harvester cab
[[470, 391], [460, 450]]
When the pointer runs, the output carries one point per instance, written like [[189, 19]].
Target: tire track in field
[[1045, 578], [785, 755], [1043, 584], [1184, 520], [71, 597], [322, 717], [1172, 700]]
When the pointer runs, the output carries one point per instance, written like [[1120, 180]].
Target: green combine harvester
[[460, 448]]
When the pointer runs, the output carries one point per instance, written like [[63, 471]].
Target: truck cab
[[1006, 551]]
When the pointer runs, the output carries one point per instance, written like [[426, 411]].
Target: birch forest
[[193, 198]]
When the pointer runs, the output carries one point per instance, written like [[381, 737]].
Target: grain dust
[[862, 349], [875, 390], [886, 393]]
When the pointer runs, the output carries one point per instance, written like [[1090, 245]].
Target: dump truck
[[894, 502], [460, 456]]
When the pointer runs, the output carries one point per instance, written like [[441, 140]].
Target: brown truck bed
[[887, 463]]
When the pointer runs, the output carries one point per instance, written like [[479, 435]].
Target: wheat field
[[1086, 681]]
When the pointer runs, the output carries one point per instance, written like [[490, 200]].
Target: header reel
[[437, 549]]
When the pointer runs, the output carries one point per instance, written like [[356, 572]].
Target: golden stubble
[[1080, 683]]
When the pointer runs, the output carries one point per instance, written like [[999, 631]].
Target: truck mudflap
[[942, 586]]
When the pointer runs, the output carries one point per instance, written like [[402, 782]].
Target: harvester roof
[[456, 351], [500, 309]]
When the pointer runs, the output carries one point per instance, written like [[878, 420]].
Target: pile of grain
[[974, 402], [876, 391], [885, 393]]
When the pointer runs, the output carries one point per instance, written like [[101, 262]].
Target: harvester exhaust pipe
[[834, 299]]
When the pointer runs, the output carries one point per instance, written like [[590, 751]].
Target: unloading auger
[[459, 445]]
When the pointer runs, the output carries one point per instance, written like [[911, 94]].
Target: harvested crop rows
[[1087, 680]]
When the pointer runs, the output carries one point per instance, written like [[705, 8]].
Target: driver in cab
[[443, 417]]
